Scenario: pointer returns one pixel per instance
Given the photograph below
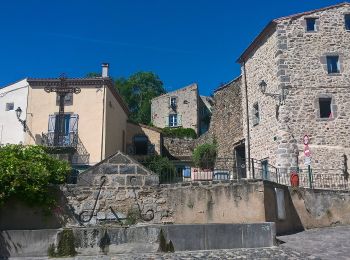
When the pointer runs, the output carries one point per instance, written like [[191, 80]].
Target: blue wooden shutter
[[73, 123], [52, 123]]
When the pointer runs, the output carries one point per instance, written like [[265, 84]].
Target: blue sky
[[181, 41]]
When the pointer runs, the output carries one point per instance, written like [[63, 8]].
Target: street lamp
[[23, 122], [280, 97]]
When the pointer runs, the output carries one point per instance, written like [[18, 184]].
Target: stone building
[[296, 82], [182, 108]]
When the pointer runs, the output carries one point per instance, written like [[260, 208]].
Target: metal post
[[309, 171]]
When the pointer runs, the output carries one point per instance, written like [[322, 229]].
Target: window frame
[[8, 105], [333, 107], [347, 22], [173, 123], [256, 114], [329, 64], [325, 99], [315, 25], [173, 101]]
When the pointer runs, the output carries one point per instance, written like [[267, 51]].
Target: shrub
[[161, 166], [65, 246], [204, 155], [179, 132], [26, 173]]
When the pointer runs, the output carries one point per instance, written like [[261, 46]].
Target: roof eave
[[268, 28]]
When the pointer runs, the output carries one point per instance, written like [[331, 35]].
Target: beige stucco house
[[95, 119]]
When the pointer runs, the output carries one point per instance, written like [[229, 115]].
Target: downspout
[[26, 119], [103, 121], [247, 113]]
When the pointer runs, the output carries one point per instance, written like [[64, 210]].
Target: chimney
[[105, 67]]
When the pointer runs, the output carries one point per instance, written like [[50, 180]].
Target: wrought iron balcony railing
[[52, 139]]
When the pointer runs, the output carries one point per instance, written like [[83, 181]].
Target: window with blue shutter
[[173, 122]]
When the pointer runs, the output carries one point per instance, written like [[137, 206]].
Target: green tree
[[93, 75], [26, 173], [138, 91], [204, 155]]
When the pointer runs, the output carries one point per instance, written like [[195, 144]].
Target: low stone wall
[[146, 239], [321, 208]]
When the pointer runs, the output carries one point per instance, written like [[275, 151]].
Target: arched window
[[141, 144]]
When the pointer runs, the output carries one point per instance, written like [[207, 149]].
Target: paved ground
[[254, 253], [326, 243]]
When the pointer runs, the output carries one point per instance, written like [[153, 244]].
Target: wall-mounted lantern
[[278, 96], [23, 122]]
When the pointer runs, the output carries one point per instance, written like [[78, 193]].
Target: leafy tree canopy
[[204, 155], [138, 91], [26, 173]]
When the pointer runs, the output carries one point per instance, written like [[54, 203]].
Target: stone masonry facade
[[188, 107], [288, 57]]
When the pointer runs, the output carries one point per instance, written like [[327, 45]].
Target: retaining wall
[[97, 241]]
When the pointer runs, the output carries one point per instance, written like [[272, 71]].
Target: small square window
[[311, 24], [333, 64], [10, 106], [256, 115], [347, 22], [325, 107], [173, 101], [173, 120]]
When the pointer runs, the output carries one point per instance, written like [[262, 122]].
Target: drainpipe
[[247, 113], [103, 121]]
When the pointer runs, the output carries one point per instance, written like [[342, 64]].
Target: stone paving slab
[[244, 253], [325, 243]]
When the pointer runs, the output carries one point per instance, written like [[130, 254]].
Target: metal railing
[[228, 169], [53, 140]]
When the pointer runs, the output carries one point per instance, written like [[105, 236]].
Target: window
[[347, 22], [333, 64], [10, 106], [256, 116], [311, 24], [173, 120], [141, 145], [173, 101], [325, 105]]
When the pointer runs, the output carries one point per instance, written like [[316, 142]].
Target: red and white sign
[[307, 151]]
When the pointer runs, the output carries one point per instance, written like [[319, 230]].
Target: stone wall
[[187, 108], [226, 124], [309, 80], [179, 148], [288, 57], [261, 65]]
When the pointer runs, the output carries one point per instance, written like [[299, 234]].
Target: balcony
[[52, 139]]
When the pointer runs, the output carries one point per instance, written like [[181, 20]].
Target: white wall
[[11, 130]]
